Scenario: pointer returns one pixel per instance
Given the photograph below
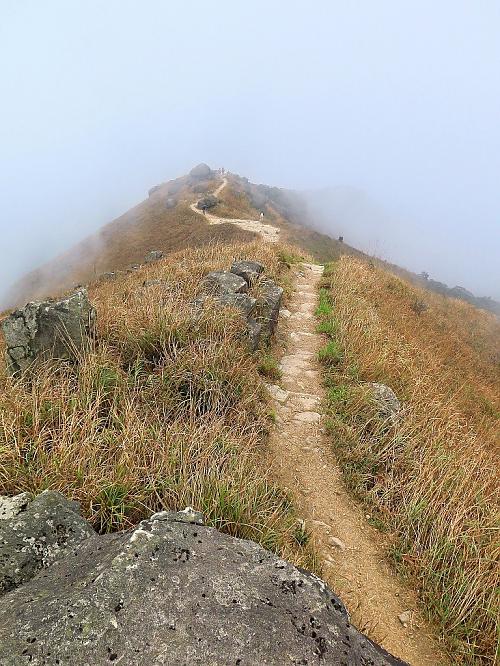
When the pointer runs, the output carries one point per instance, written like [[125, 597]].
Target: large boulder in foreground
[[175, 592], [35, 534], [48, 329]]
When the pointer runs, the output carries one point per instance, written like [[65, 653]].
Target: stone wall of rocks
[[235, 287]]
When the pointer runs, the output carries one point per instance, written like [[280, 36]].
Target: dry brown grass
[[126, 241], [165, 409], [234, 203], [433, 477]]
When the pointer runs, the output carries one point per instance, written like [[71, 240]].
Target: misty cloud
[[393, 107]]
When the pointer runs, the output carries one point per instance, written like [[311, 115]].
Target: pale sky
[[398, 100]]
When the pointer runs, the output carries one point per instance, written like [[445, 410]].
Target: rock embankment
[[170, 591], [231, 288]]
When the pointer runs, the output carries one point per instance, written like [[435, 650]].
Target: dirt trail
[[351, 549], [267, 231]]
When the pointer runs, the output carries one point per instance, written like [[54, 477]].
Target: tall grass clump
[[164, 409], [431, 475]]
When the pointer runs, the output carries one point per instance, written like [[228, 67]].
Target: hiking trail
[[267, 231], [301, 459], [351, 550]]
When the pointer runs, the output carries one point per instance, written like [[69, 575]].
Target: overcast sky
[[398, 100]]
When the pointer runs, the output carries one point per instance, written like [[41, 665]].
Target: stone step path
[[351, 550], [269, 233]]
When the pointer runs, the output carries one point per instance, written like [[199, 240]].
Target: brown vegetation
[[432, 476], [123, 242], [165, 409]]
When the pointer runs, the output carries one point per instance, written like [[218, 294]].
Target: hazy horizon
[[396, 106]]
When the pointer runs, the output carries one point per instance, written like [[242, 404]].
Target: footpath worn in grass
[[431, 477], [165, 409]]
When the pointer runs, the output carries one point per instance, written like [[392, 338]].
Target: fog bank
[[393, 105]]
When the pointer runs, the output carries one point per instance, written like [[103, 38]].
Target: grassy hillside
[[126, 241], [165, 409], [430, 478], [284, 209]]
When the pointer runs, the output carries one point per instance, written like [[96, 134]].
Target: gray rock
[[388, 406], [154, 255], [170, 203], [248, 270], [11, 506], [173, 592], [153, 190], [243, 302], [49, 329], [224, 282], [254, 331], [209, 201], [201, 171], [37, 534], [268, 306]]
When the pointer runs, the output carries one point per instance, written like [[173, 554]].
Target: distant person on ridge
[[261, 216]]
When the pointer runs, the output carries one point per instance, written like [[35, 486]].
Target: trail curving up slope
[[267, 231]]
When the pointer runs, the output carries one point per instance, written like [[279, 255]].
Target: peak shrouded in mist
[[393, 105]]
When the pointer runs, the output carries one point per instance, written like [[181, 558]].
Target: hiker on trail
[[261, 216]]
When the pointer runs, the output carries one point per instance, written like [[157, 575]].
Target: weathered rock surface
[[175, 592], [244, 302], [170, 203], [230, 288], [48, 329], [224, 282], [248, 270], [154, 255], [35, 534], [268, 306], [388, 406], [200, 171]]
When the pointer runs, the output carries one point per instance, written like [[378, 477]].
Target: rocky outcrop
[[224, 282], [231, 288], [48, 329], [35, 534], [387, 404], [248, 270], [153, 255], [170, 203], [172, 591], [201, 171]]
